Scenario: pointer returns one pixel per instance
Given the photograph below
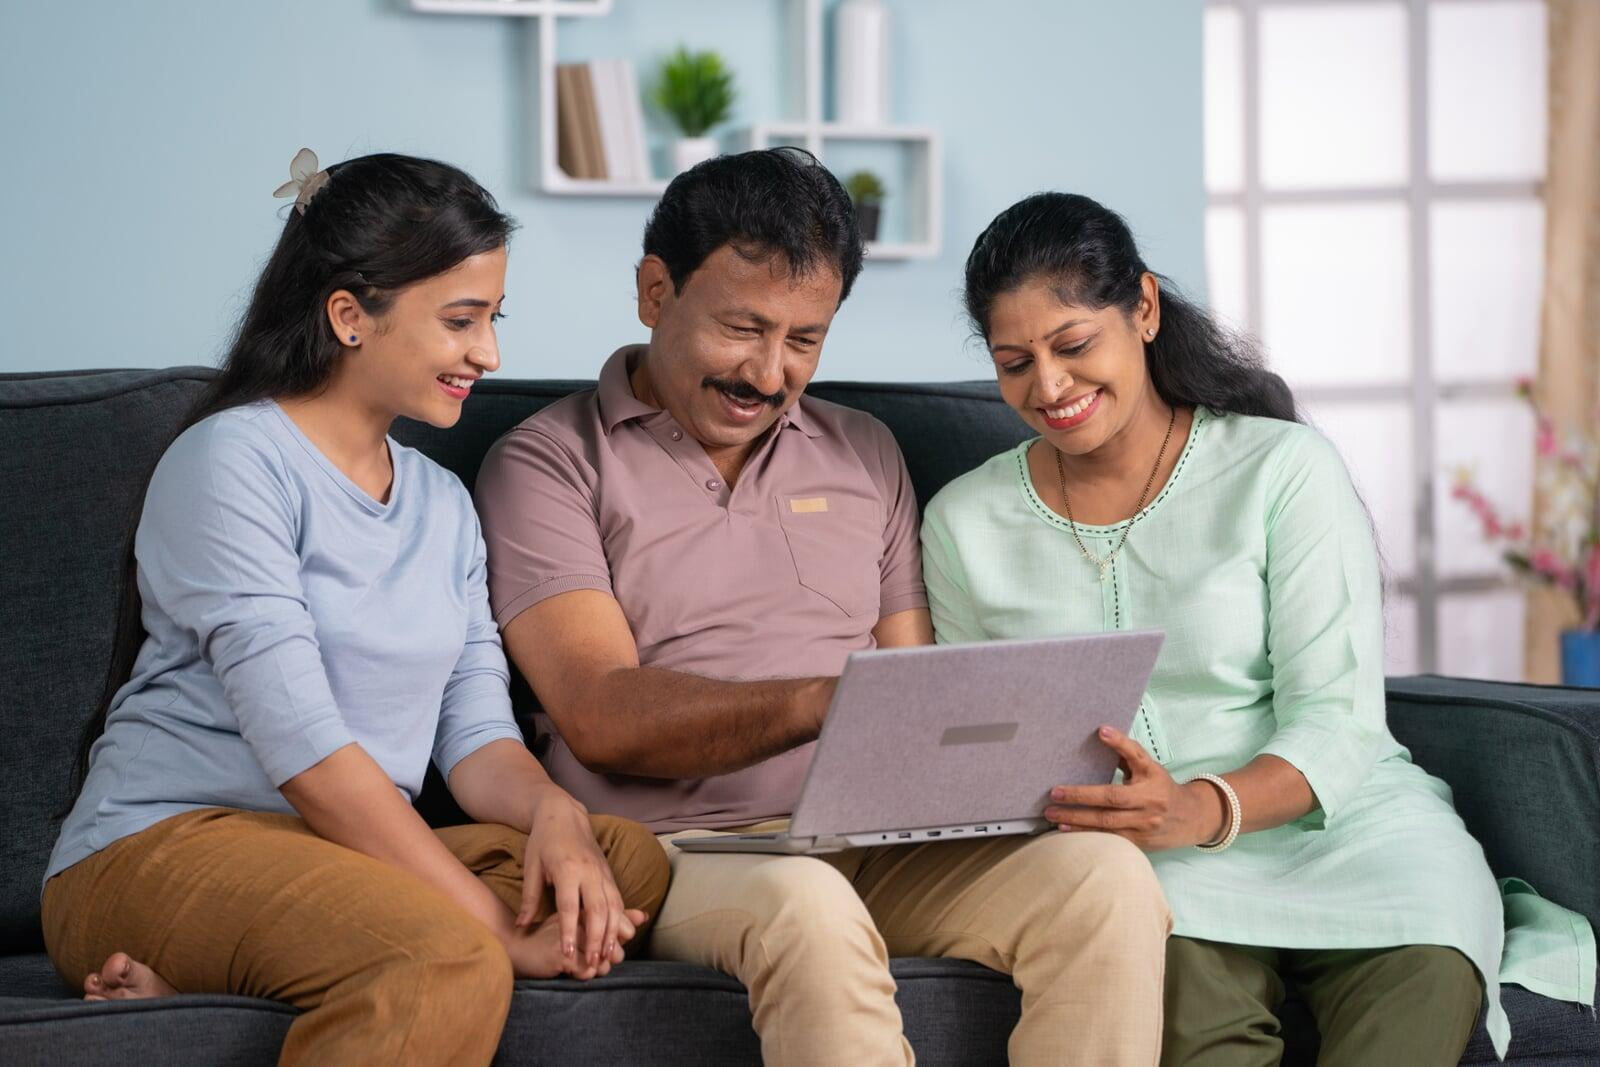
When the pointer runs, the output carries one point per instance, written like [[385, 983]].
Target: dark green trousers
[[1413, 1006]]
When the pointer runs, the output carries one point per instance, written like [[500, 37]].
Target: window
[[1373, 170]]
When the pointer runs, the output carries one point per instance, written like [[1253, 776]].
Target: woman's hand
[[1149, 808], [563, 854]]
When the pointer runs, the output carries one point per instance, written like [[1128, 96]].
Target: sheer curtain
[[1569, 357]]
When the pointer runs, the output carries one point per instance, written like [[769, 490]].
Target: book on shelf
[[633, 116], [579, 149], [608, 106], [600, 121]]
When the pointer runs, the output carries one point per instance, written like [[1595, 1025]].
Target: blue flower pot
[[1580, 658]]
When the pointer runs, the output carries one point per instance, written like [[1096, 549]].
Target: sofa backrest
[[77, 448]]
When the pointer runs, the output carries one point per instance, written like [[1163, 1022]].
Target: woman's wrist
[[1211, 820], [545, 792]]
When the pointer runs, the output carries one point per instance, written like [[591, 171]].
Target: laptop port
[[935, 833], [905, 835]]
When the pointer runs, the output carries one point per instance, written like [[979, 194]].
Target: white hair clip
[[304, 179]]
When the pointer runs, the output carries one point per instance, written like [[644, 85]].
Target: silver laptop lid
[[945, 735]]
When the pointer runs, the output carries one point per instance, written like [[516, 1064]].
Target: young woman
[[311, 625], [1172, 487]]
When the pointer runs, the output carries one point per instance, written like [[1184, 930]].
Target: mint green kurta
[[1257, 560]]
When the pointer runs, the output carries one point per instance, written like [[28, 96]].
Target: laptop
[[953, 742]]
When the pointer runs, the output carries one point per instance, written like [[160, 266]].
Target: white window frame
[[1423, 393]]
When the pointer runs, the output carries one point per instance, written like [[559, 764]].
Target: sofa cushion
[[643, 1013], [75, 453], [1523, 764]]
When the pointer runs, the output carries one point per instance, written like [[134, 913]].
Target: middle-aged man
[[682, 558]]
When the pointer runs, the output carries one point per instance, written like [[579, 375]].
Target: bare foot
[[125, 978], [537, 954]]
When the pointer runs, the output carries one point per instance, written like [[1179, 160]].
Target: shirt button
[[676, 435], [713, 485]]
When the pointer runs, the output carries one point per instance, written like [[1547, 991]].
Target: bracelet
[[1235, 816]]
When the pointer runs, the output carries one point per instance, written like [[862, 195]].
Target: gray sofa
[[1524, 761]]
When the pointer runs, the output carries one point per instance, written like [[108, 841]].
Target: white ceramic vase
[[687, 151], [861, 62]]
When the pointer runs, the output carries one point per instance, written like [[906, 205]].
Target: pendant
[[1105, 568]]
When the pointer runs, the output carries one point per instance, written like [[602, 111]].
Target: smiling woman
[[266, 722], [1171, 486]]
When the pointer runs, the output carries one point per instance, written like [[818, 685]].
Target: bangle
[[1235, 816]]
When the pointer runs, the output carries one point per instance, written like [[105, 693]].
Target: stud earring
[[352, 338], [1148, 333]]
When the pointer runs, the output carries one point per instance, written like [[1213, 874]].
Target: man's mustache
[[746, 393]]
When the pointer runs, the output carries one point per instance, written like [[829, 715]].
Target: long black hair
[[380, 223], [1087, 254]]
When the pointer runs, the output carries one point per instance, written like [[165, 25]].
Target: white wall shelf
[[922, 207], [513, 8]]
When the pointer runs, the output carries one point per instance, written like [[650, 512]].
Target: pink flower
[[1547, 563], [1545, 440], [1516, 531]]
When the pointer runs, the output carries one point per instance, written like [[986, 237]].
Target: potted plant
[[696, 92], [1562, 549], [867, 193]]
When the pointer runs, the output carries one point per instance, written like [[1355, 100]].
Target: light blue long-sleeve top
[[290, 614]]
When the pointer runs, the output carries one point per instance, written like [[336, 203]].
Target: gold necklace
[[1138, 510]]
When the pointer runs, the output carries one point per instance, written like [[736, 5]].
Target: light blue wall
[[140, 143]]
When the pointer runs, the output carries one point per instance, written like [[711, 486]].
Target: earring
[[352, 338], [1148, 333]]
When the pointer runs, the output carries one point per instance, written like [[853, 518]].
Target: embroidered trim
[[1201, 417]]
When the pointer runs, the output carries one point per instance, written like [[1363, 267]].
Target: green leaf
[[695, 90], [865, 187]]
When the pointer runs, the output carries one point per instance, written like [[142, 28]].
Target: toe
[[120, 967]]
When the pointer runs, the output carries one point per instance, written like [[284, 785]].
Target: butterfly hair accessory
[[305, 179]]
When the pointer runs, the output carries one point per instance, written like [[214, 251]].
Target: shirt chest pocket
[[836, 543]]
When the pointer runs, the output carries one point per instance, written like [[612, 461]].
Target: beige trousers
[[388, 969], [1077, 919]]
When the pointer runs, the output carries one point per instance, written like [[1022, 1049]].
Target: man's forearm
[[664, 724]]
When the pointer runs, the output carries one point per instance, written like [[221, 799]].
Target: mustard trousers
[[385, 968]]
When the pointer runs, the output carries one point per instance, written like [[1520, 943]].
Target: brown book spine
[[589, 123], [567, 149]]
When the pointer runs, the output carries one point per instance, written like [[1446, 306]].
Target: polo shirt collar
[[615, 391], [618, 404], [798, 417]]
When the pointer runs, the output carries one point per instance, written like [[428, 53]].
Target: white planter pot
[[861, 62], [687, 151]]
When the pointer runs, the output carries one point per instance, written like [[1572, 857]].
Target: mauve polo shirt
[[781, 575]]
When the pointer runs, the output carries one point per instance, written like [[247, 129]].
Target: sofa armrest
[[1524, 764]]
